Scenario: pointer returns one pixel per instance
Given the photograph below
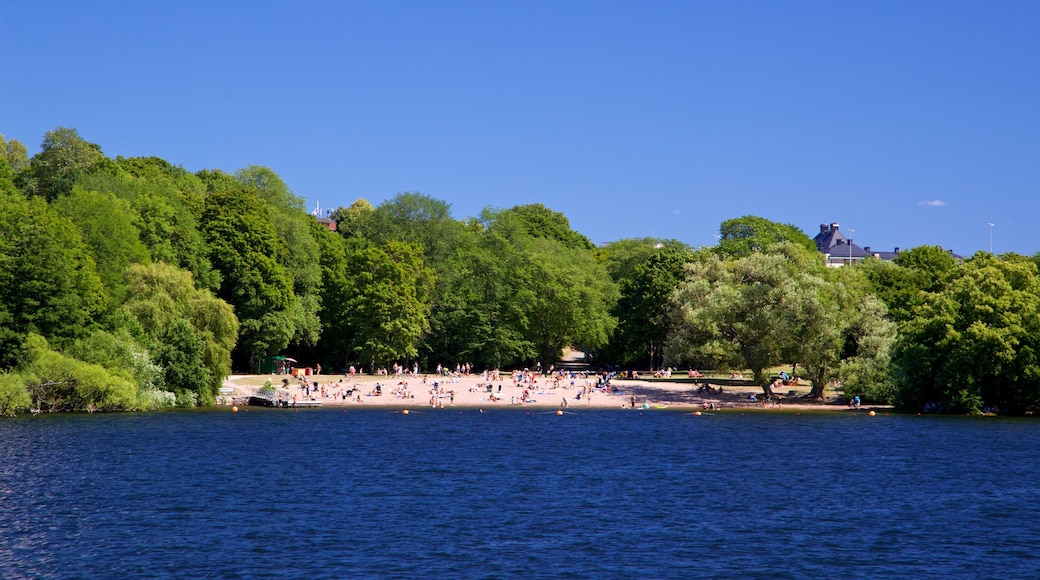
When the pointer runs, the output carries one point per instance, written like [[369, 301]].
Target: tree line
[[134, 284]]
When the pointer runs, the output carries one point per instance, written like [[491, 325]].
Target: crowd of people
[[521, 387]]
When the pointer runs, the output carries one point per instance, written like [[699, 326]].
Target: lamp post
[[851, 231], [990, 237]]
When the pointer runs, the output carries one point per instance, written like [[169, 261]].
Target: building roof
[[831, 241], [840, 249]]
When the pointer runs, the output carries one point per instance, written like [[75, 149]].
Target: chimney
[[823, 228], [866, 249], [834, 226], [897, 249]]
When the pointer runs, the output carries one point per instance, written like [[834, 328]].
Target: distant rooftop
[[840, 250]]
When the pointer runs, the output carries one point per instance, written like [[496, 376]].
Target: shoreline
[[470, 392]]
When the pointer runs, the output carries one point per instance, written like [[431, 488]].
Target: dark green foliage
[[538, 221], [182, 359], [244, 246], [108, 270], [64, 159], [336, 333], [975, 342], [568, 299], [389, 309], [486, 320], [418, 219], [647, 281], [48, 283], [560, 294], [296, 231], [106, 227], [742, 236]]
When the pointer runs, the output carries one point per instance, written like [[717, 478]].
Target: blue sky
[[910, 122]]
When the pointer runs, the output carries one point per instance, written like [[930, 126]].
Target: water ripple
[[326, 494]]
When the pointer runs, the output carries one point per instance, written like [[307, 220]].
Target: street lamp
[[990, 237]]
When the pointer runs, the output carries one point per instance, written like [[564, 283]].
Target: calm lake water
[[607, 494]]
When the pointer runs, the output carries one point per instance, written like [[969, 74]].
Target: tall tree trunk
[[818, 382], [759, 376]]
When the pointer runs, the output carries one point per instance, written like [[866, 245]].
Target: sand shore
[[543, 394]]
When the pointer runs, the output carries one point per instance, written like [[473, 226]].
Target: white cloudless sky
[[910, 122]]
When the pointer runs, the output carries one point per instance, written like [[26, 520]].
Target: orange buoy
[[559, 412], [234, 409], [872, 413], [405, 412]]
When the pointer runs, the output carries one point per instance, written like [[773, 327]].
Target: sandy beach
[[539, 392]]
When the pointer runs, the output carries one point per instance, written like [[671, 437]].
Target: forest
[[133, 284]]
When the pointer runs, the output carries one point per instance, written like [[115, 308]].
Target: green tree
[[568, 297], [15, 153], [487, 322], [64, 158], [537, 221], [301, 258], [243, 245], [336, 334], [7, 172], [866, 368], [561, 293], [167, 203], [389, 311], [120, 352], [837, 325], [904, 284], [106, 227], [734, 313], [646, 287], [182, 356], [160, 295], [975, 342], [932, 262], [743, 236], [446, 247], [419, 219], [48, 282], [354, 221], [623, 256]]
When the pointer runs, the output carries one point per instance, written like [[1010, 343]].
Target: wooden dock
[[300, 404]]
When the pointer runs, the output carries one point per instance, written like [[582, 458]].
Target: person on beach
[[767, 389]]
